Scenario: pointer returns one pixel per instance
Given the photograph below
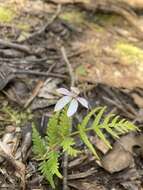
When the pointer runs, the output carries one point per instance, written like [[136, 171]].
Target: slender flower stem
[[71, 73], [65, 163]]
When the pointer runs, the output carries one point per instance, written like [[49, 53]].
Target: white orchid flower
[[71, 98]]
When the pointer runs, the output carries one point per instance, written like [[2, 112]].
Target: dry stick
[[39, 73], [82, 175], [64, 2], [46, 26], [34, 94], [65, 159], [7, 74], [19, 47], [70, 69]]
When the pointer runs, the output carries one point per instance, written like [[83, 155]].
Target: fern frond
[[67, 146], [117, 127], [50, 167], [53, 130], [131, 126], [101, 135], [39, 147], [82, 132], [53, 163], [88, 117], [112, 124], [122, 126], [44, 169], [65, 123], [87, 142], [106, 125]]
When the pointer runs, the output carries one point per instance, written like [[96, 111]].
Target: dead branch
[[16, 46]]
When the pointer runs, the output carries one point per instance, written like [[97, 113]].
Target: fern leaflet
[[39, 147], [65, 123], [53, 130], [50, 167], [67, 146], [85, 139]]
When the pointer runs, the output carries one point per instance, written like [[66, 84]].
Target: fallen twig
[[16, 46], [70, 69], [7, 74], [64, 2], [82, 174], [34, 94], [77, 161], [39, 73]]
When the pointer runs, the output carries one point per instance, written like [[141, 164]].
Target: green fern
[[53, 131], [59, 137], [39, 147], [82, 130], [112, 124], [85, 139], [50, 167], [65, 123], [67, 144]]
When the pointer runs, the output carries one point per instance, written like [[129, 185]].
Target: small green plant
[[60, 138], [15, 116]]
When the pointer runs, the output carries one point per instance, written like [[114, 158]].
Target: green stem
[[77, 132]]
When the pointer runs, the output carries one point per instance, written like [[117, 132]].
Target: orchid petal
[[75, 90], [64, 91], [83, 101], [62, 102], [72, 107]]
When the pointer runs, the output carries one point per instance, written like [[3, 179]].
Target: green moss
[[129, 52], [73, 16], [81, 70], [16, 117], [23, 27], [107, 19], [6, 15], [78, 17]]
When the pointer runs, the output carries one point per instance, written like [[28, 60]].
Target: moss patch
[[107, 19], [73, 16], [82, 18], [6, 15], [81, 70], [24, 27], [129, 52], [15, 117]]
